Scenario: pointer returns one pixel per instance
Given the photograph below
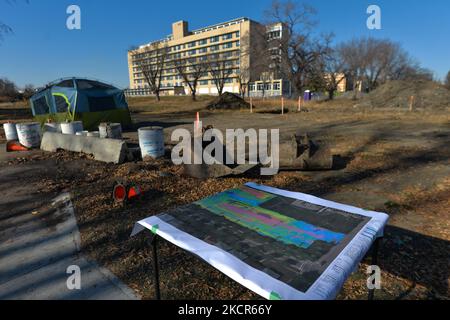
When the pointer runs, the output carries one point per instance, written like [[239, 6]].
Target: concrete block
[[105, 150]]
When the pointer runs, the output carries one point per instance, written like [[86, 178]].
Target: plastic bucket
[[151, 142], [110, 130], [71, 127], [52, 127], [95, 134], [29, 134], [10, 131]]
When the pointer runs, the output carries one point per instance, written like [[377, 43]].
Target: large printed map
[[291, 240]]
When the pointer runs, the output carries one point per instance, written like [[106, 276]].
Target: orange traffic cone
[[123, 192]]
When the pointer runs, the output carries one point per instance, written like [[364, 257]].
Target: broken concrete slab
[[105, 150], [301, 153]]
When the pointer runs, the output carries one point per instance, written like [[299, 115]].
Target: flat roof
[[201, 30]]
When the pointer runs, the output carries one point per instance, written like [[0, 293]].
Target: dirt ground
[[395, 161]]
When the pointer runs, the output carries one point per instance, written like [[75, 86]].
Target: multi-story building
[[229, 41]]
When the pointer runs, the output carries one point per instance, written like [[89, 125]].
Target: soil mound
[[397, 94], [228, 101]]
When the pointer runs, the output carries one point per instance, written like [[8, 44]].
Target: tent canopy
[[90, 101]]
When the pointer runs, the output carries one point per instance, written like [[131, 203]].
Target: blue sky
[[43, 49]]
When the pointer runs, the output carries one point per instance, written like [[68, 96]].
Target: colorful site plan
[[280, 244]]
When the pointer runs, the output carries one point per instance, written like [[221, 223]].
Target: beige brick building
[[229, 41]]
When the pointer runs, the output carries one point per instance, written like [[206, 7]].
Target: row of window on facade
[[216, 56], [214, 48], [203, 42], [193, 44], [226, 64], [177, 84], [178, 77], [274, 86]]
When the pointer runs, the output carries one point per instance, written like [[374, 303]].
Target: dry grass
[[167, 104], [389, 152]]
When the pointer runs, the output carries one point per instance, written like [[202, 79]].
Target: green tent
[[86, 100]]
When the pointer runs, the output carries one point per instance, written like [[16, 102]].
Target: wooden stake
[[251, 104], [411, 103], [282, 105], [197, 120], [299, 104]]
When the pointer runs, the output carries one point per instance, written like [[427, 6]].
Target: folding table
[[281, 245]]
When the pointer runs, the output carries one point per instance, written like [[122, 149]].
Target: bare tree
[[153, 68], [372, 62], [300, 48], [330, 72], [4, 28], [254, 58], [8, 88], [243, 78], [352, 54], [447, 80], [28, 91], [220, 69], [191, 70]]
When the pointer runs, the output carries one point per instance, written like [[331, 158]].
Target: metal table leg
[[156, 267], [375, 248]]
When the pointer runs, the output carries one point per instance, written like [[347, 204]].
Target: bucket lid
[[151, 128]]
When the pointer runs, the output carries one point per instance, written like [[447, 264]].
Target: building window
[[276, 86], [214, 39], [227, 45], [203, 82], [238, 34], [214, 48], [228, 80], [202, 42], [192, 52], [227, 55], [238, 43], [192, 44], [274, 35], [260, 87], [227, 36], [203, 50], [252, 87], [267, 86]]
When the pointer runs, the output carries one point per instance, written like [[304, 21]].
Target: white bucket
[[52, 127], [151, 142], [110, 130], [71, 127], [10, 131], [95, 134], [29, 134]]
